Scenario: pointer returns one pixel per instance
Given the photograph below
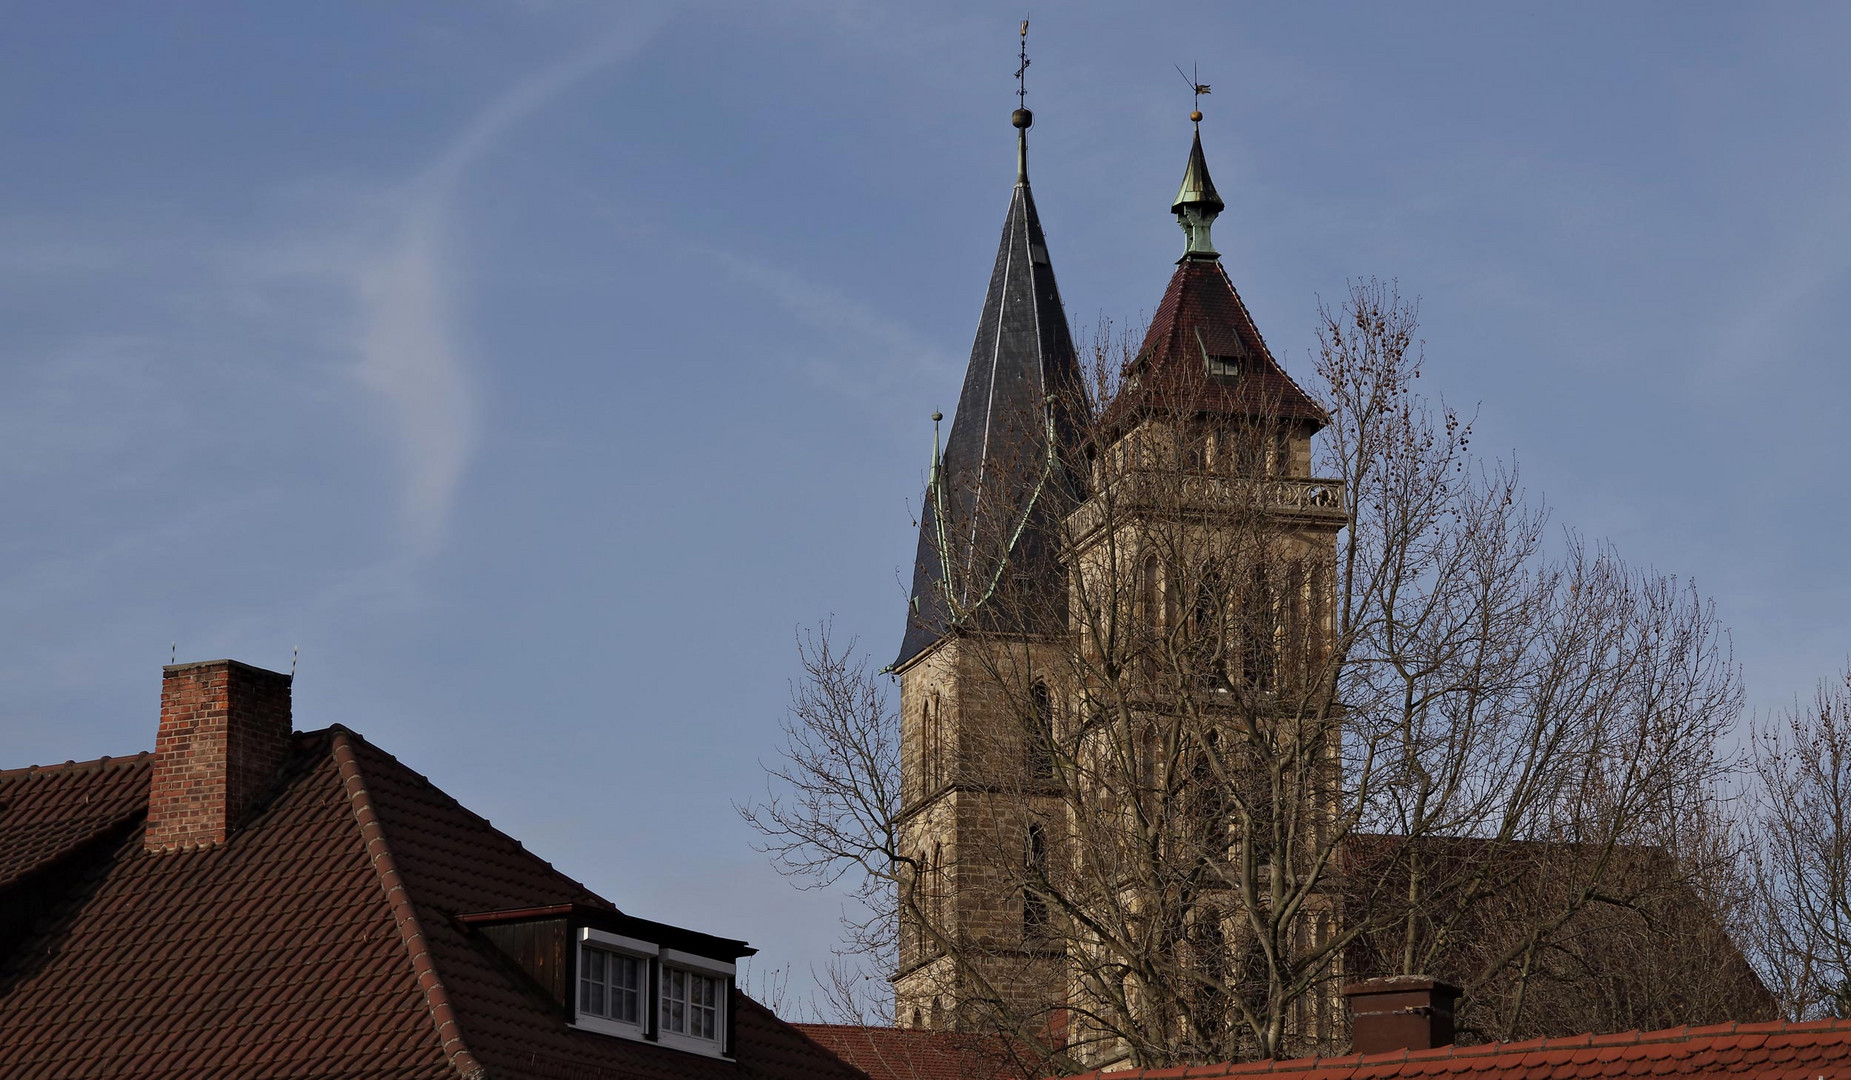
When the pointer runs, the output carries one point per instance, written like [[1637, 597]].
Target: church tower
[[1110, 606], [988, 597]]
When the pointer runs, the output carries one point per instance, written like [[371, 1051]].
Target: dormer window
[[610, 985], [693, 992], [617, 975], [1226, 367], [690, 1004], [613, 982]]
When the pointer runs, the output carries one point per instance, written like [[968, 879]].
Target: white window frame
[[718, 970], [625, 946]]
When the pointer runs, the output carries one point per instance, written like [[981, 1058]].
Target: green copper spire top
[[1197, 203]]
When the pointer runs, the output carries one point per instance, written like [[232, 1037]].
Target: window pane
[[626, 982], [591, 988], [674, 1001]]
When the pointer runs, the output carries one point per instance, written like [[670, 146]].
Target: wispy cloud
[[412, 354], [831, 310], [875, 355]]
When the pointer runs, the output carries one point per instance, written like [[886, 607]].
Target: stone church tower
[[1010, 528]]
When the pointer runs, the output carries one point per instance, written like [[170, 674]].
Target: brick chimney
[[1402, 1012], [224, 733]]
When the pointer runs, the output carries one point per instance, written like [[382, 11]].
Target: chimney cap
[[191, 665], [1394, 984]]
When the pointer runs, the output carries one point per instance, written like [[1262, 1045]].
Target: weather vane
[[1021, 82], [1196, 86]]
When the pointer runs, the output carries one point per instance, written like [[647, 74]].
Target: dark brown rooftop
[[318, 941]]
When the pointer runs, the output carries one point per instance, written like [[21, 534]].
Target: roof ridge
[[104, 762], [379, 855], [344, 732], [1265, 349]]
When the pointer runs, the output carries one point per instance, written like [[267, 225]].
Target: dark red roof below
[[316, 942], [890, 1053], [1788, 1051]]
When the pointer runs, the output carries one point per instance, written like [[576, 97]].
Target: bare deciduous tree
[[1800, 853], [1267, 727]]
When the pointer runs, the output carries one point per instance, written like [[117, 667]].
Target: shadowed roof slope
[[318, 941], [1765, 1051], [891, 1053], [48, 811], [996, 495]]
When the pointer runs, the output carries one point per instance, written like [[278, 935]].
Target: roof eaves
[[379, 854], [609, 918]]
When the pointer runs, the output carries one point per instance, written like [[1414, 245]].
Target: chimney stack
[[1402, 1012], [224, 733]]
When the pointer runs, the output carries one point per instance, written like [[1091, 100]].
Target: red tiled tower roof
[[1203, 353], [318, 941], [1202, 316], [1789, 1051]]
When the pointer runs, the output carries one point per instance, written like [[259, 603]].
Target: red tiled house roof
[[890, 1053], [1772, 1051], [317, 941]]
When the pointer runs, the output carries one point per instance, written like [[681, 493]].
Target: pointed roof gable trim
[[379, 854]]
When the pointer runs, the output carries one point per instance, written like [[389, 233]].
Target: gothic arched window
[[1149, 590], [1041, 734], [1034, 900], [1260, 632], [940, 896], [1208, 624]]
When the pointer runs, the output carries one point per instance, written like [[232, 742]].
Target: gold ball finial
[[1196, 116], [1022, 118]]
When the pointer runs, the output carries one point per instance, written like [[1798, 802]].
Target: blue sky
[[539, 368]]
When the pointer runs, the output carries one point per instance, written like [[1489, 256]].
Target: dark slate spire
[[987, 557]]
